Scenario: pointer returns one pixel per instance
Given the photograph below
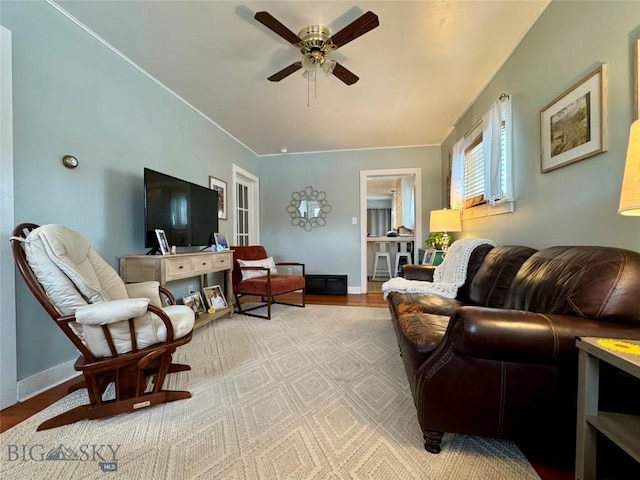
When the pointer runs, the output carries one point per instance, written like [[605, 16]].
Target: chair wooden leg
[[178, 367], [66, 418]]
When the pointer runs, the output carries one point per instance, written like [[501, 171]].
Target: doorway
[[366, 177], [246, 207]]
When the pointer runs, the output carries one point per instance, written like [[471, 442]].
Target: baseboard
[[43, 381], [354, 290]]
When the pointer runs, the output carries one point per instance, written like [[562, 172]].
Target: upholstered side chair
[[256, 274], [124, 334]]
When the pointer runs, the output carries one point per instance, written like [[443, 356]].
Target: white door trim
[[239, 174], [417, 172], [8, 350]]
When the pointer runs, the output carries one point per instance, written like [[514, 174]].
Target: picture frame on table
[[429, 256], [221, 241], [214, 297], [194, 302], [573, 125], [161, 237], [220, 186]]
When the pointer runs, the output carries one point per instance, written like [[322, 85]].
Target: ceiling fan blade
[[274, 25], [345, 75], [367, 22], [285, 72]]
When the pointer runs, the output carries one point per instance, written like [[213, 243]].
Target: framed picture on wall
[[220, 186], [573, 126]]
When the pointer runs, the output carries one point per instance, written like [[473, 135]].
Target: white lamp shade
[[445, 221], [630, 194]]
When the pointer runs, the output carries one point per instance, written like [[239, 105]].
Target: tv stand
[[178, 266]]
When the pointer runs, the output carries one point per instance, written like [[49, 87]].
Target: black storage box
[[326, 284]]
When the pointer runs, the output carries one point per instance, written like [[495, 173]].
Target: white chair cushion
[[104, 313], [149, 331], [266, 262], [75, 276], [150, 290]]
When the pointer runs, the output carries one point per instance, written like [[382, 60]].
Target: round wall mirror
[[308, 208]]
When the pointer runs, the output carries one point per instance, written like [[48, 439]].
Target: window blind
[[474, 173]]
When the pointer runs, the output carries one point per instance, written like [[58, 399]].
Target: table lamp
[[630, 194], [445, 221]]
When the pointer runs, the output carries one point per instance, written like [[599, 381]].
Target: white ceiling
[[419, 70]]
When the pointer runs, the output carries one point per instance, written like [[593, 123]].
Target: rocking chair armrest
[[300, 264], [114, 311], [165, 319], [167, 294]]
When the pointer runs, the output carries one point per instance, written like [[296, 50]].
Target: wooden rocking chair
[[124, 334]]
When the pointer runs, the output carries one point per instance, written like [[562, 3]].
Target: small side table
[[622, 429]]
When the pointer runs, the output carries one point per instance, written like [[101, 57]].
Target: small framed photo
[[429, 256], [220, 186], [162, 242], [573, 126], [221, 241], [215, 298], [194, 302]]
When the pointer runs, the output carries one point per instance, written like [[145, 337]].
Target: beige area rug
[[315, 393]]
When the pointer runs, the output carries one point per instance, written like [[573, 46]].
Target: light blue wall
[[576, 204], [334, 248], [72, 95]]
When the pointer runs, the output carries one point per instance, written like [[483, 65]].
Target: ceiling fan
[[316, 43]]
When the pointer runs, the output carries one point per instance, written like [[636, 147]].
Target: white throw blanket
[[448, 277]]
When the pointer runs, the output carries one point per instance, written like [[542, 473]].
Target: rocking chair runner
[[123, 333], [255, 274]]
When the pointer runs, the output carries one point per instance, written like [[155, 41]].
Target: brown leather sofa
[[500, 359]]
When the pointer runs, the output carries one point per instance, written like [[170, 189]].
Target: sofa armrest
[[418, 272], [520, 336]]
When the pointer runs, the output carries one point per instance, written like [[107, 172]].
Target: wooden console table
[[621, 429], [167, 268]]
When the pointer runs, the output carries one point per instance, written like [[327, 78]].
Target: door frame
[[8, 338], [364, 174]]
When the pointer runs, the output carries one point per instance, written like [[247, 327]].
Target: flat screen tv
[[188, 213]]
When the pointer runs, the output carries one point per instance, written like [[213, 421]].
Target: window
[[481, 164]]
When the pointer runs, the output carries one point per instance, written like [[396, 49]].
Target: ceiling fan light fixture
[[328, 66], [309, 61]]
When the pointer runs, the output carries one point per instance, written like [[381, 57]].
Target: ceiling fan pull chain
[[308, 87]]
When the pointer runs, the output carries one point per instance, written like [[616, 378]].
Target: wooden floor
[[546, 467]]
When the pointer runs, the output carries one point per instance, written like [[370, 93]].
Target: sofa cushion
[[490, 286], [596, 282]]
